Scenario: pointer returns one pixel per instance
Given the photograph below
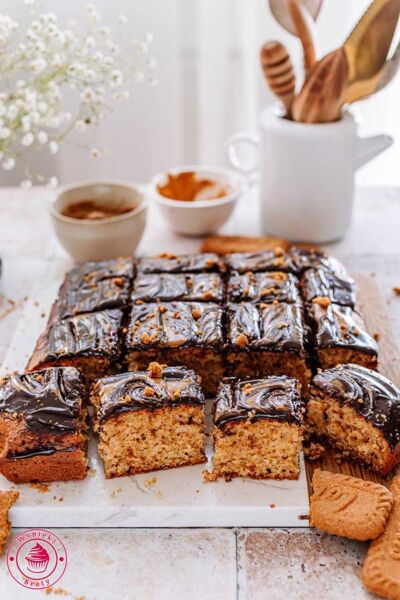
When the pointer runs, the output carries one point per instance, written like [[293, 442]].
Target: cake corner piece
[[7, 499]]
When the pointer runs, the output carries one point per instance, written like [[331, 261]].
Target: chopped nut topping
[[196, 313], [139, 301], [148, 391], [162, 308], [282, 325], [242, 340], [246, 389], [168, 255], [177, 394], [119, 281], [155, 370], [322, 301], [208, 295], [279, 251], [145, 338]]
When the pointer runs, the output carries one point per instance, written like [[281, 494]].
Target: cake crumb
[[209, 477], [42, 488], [314, 451], [272, 505], [322, 301], [115, 492], [397, 290], [377, 337], [92, 472], [149, 483], [159, 495]]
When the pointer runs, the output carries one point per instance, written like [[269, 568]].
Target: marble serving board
[[171, 498]]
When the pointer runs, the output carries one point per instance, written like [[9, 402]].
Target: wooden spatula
[[305, 30], [278, 71], [280, 11], [367, 47], [321, 96]]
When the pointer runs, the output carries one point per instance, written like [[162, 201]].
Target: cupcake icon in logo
[[37, 559]]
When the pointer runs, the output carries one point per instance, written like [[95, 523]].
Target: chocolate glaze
[[130, 391], [49, 400], [274, 327], [175, 324], [266, 260], [187, 263], [337, 326], [312, 258], [103, 295], [337, 286], [90, 334], [166, 287], [90, 273], [275, 398], [262, 287], [369, 393]]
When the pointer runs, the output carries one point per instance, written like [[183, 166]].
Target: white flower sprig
[[42, 66]]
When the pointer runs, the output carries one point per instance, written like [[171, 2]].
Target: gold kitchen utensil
[[367, 47], [280, 11], [305, 31], [279, 72], [321, 96], [389, 70]]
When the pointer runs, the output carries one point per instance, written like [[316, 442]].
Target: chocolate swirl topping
[[267, 260], [271, 398], [90, 273], [369, 393], [49, 400], [188, 263], [263, 287], [340, 326], [175, 324], [275, 327], [106, 294], [89, 334], [139, 391], [166, 287], [338, 287]]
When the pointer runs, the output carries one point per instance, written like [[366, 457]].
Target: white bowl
[[199, 217], [102, 239]]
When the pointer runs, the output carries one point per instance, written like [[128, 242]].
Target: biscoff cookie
[[7, 499], [381, 569], [226, 244], [348, 506]]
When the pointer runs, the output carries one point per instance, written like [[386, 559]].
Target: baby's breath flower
[[88, 95], [42, 137], [80, 126], [53, 147], [122, 19], [5, 133], [8, 164], [116, 78], [52, 182], [28, 139]]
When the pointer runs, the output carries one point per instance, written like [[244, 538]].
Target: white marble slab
[[173, 498]]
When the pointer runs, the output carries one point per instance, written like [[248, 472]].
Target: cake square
[[90, 342], [257, 429], [340, 336], [263, 287], [266, 339], [90, 273], [43, 426], [357, 411], [177, 333], [149, 420], [103, 295], [337, 286], [166, 287], [186, 263], [265, 260], [314, 258]]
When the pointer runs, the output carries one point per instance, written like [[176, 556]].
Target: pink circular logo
[[36, 558]]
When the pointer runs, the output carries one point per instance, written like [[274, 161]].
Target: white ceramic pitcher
[[306, 173]]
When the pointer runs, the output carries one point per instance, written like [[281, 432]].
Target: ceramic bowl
[[86, 239], [199, 217]]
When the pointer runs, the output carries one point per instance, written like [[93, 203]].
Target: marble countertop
[[226, 564]]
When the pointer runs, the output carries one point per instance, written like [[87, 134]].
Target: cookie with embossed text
[[348, 506], [381, 568]]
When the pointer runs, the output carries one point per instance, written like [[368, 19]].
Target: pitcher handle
[[369, 147], [243, 137]]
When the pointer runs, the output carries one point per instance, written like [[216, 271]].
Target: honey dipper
[[278, 71]]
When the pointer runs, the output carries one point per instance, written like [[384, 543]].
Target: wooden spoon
[[367, 47], [280, 11], [305, 31], [279, 72], [321, 96], [389, 70]]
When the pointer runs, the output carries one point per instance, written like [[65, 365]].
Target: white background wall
[[210, 85]]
